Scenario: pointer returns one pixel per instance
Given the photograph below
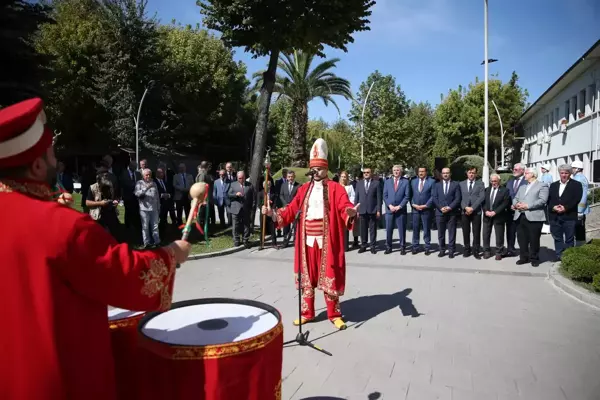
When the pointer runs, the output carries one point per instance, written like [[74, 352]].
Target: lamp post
[[362, 129], [501, 135], [137, 125], [486, 169]]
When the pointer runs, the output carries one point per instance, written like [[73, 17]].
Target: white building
[[563, 125]]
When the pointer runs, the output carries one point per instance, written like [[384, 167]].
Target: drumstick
[[197, 192]]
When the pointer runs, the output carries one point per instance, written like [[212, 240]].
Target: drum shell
[[249, 369], [127, 356]]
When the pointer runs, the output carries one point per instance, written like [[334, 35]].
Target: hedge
[[460, 166], [596, 283], [582, 263]]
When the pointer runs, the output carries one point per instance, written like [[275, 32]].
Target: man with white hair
[[529, 205], [513, 186], [583, 208], [147, 193]]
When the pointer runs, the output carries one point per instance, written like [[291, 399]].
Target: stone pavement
[[422, 328]]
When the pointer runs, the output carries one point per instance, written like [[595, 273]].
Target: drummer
[[60, 270]]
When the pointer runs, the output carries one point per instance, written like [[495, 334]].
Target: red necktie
[[395, 184]]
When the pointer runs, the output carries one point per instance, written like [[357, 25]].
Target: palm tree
[[300, 85]]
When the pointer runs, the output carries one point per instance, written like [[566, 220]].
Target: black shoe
[[487, 255], [403, 252], [451, 254], [442, 253], [362, 250], [373, 251], [510, 253], [466, 253], [535, 263], [477, 255], [247, 245], [427, 252], [414, 251], [387, 251], [236, 244], [522, 262]]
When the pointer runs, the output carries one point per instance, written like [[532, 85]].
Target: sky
[[432, 46]]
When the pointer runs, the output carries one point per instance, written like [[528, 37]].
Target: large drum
[[213, 349], [123, 326]]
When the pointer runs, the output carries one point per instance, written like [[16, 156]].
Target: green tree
[[203, 87], [280, 128], [419, 128], [22, 69], [301, 84], [385, 138], [268, 28]]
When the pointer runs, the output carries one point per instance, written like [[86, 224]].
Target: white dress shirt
[[315, 211], [561, 187]]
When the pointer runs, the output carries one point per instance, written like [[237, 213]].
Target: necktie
[[367, 185], [130, 175], [421, 185], [516, 185], [445, 187], [162, 184], [395, 184], [291, 187], [242, 188], [470, 187], [493, 197], [183, 179]]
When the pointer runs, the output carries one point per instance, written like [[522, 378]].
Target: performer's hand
[[267, 211], [65, 199], [182, 249], [352, 211]]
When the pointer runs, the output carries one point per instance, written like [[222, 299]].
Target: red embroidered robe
[[59, 271], [332, 271]]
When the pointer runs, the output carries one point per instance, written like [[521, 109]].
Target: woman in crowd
[[345, 182]]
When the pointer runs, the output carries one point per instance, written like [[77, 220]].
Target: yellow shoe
[[302, 321], [339, 323]]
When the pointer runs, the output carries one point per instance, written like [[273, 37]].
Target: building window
[[546, 124], [592, 98], [574, 108], [556, 117], [582, 104], [551, 128], [567, 111]]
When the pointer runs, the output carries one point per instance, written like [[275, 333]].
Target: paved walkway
[[423, 328]]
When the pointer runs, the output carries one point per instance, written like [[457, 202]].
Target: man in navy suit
[[446, 199], [513, 186], [422, 206], [368, 195], [396, 194], [220, 195]]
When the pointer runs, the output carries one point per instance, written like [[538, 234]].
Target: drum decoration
[[123, 326], [213, 349]]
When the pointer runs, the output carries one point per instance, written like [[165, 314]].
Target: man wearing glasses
[[512, 224]]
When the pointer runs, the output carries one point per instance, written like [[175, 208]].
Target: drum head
[[119, 313], [209, 322]]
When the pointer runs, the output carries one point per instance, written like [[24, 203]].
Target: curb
[[565, 285], [225, 252]]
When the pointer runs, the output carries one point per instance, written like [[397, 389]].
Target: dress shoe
[[387, 251], [441, 253], [477, 256], [403, 252], [466, 253], [414, 251], [362, 250], [373, 251], [522, 262], [486, 255], [451, 254], [427, 252], [498, 257], [511, 253], [535, 263]]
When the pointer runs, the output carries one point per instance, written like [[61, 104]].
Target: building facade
[[563, 125]]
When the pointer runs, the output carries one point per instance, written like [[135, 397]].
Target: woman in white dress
[[345, 182]]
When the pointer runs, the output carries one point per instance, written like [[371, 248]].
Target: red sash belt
[[314, 227]]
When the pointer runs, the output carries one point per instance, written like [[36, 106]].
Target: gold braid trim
[[125, 322], [35, 189], [157, 279]]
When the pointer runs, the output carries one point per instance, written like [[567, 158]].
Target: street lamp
[[362, 129], [501, 135], [486, 60], [137, 125]]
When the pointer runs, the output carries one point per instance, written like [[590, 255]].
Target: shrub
[[460, 166], [595, 242], [593, 196], [504, 177], [596, 283], [582, 263]]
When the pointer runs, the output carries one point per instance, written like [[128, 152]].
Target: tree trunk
[[299, 126], [260, 137]]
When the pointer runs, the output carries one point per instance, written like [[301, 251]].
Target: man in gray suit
[[529, 205], [241, 202], [472, 194]]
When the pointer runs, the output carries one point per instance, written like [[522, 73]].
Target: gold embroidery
[[125, 322], [278, 213], [325, 249], [228, 349], [307, 293], [156, 281], [278, 391], [36, 189]]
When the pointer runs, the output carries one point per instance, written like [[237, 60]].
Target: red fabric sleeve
[[343, 202], [101, 269], [286, 215]]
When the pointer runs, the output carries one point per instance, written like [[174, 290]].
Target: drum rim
[[212, 300]]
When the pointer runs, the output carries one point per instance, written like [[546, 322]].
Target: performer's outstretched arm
[[343, 204], [286, 215], [95, 265]]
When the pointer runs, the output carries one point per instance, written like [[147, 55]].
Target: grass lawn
[[219, 240]]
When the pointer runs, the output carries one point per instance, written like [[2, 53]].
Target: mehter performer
[[325, 212], [60, 270]]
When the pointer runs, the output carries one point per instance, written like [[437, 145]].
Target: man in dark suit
[[64, 178], [166, 192], [280, 182], [168, 179], [287, 192], [422, 207], [129, 177], [230, 176], [495, 212], [242, 202], [446, 199], [512, 225], [563, 199], [368, 196], [219, 195], [396, 194], [472, 194]]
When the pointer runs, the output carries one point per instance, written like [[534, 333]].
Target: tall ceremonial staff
[[266, 200], [198, 193]]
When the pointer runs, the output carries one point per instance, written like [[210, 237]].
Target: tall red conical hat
[[318, 154]]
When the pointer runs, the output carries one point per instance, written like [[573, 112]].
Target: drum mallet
[[198, 195]]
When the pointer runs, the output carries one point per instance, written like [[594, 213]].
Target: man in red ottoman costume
[[326, 212], [59, 271]]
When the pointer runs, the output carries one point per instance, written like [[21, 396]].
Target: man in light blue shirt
[[546, 175], [583, 208]]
